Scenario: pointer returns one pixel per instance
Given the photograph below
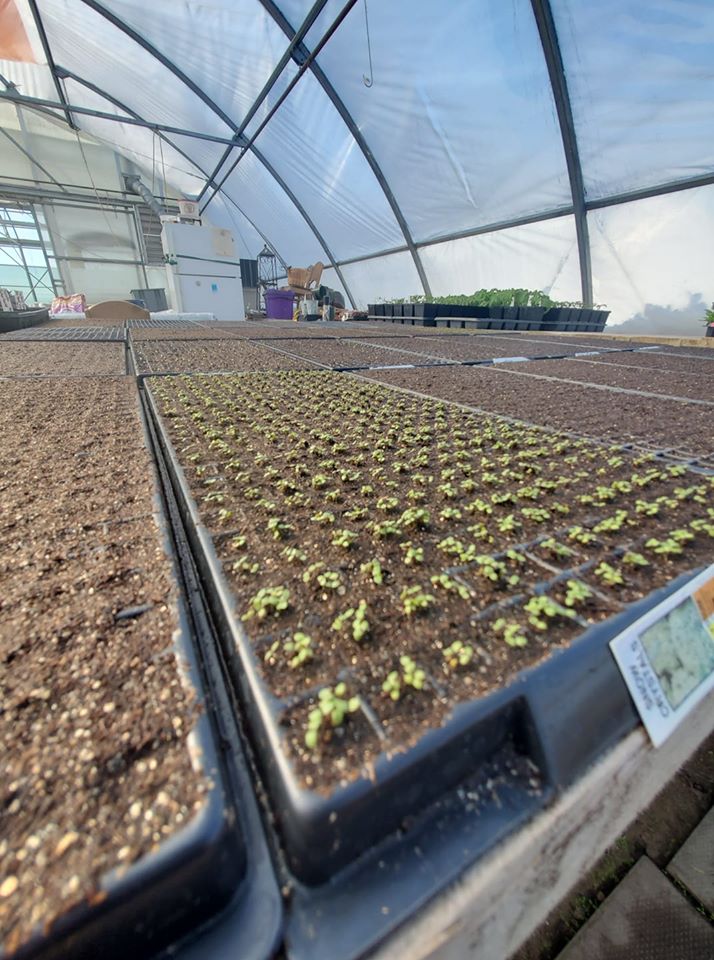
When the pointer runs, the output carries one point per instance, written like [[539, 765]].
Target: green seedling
[[609, 574], [541, 609], [312, 570], [279, 529], [343, 538], [415, 600], [330, 580], [224, 515], [666, 548], [416, 518], [385, 529], [294, 555], [374, 569], [458, 654], [238, 543], [576, 593], [387, 504], [412, 554], [409, 676], [581, 535], [268, 601], [450, 513], [358, 617], [244, 565], [537, 514], [323, 517], [555, 549], [298, 650], [453, 586], [333, 707], [512, 632], [356, 513]]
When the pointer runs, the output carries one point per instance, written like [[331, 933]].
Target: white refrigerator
[[202, 270]]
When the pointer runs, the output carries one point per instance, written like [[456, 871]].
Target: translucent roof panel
[[641, 84], [312, 149], [460, 114], [653, 258], [539, 256], [383, 278]]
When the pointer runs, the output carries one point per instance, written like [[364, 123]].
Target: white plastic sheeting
[[458, 131]]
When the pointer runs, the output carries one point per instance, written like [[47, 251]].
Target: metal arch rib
[[50, 61], [214, 107], [128, 110], [280, 19], [554, 62]]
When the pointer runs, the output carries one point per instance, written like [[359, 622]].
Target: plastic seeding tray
[[95, 334], [211, 875], [365, 857]]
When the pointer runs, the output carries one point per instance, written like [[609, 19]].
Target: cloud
[[666, 321]]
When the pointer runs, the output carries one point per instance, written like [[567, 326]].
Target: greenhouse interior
[[357, 489]]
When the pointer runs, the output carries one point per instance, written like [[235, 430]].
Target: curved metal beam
[[554, 62], [311, 17], [40, 27], [68, 74], [317, 71], [214, 107]]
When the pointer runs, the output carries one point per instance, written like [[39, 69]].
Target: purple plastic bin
[[279, 304]]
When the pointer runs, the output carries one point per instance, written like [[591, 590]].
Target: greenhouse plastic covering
[[429, 148]]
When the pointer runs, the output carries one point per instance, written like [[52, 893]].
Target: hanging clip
[[368, 80]]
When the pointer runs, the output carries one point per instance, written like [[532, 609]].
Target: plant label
[[667, 656]]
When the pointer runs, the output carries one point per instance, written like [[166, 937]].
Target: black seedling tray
[[208, 867], [364, 857], [115, 334]]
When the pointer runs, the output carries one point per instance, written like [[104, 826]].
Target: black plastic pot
[[21, 319], [710, 330], [530, 318]]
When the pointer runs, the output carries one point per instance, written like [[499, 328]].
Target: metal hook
[[368, 80]]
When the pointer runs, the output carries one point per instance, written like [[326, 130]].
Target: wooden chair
[[305, 282]]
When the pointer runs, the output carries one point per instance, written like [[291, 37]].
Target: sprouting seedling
[[356, 513], [298, 649], [323, 517], [388, 528], [238, 543], [415, 600], [537, 514], [611, 524], [279, 529], [412, 554], [410, 675], [268, 601], [310, 572], [448, 583], [294, 555], [541, 609], [577, 592], [224, 515], [450, 513], [458, 654], [357, 616], [343, 538], [581, 535], [329, 580], [333, 707], [415, 517], [665, 548], [633, 559], [480, 506], [508, 524], [609, 574], [374, 568], [681, 536], [556, 549], [245, 565], [512, 632], [387, 504]]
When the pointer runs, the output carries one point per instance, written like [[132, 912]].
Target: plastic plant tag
[[667, 656]]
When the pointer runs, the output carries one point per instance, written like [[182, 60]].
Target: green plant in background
[[333, 707]]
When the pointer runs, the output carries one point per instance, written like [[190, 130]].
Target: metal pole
[[50, 61], [44, 248]]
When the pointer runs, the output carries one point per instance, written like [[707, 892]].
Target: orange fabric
[[14, 43]]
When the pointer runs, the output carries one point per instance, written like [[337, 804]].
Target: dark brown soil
[[348, 353], [181, 332], [667, 362], [281, 465], [93, 713], [478, 347], [688, 386], [588, 411], [203, 356], [61, 359]]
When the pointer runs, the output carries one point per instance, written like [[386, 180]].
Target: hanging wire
[[368, 80], [120, 242]]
